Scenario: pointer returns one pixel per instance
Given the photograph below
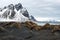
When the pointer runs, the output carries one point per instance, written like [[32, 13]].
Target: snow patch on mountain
[[15, 13], [47, 19], [32, 18]]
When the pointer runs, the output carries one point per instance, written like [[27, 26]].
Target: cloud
[[40, 8]]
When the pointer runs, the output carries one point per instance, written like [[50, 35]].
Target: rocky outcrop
[[32, 25], [25, 13], [18, 6], [28, 24], [53, 28], [12, 14], [32, 18], [11, 7], [46, 26], [28, 31], [9, 12], [0, 9]]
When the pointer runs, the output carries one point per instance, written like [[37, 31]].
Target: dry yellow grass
[[32, 25], [56, 28], [46, 26]]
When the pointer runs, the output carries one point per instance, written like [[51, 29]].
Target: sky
[[38, 8]]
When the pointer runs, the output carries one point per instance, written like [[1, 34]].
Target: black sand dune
[[24, 33]]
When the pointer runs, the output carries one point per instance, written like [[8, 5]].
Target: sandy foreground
[[23, 33]]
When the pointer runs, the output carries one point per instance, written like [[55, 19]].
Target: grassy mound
[[29, 24]]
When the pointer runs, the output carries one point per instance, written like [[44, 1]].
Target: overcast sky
[[38, 8]]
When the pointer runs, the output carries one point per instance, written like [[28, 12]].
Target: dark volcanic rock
[[12, 14], [25, 13], [0, 9], [5, 14], [32, 18], [18, 6], [5, 7], [10, 32], [16, 34], [11, 6], [25, 33]]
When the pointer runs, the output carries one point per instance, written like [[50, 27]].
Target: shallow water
[[40, 23]]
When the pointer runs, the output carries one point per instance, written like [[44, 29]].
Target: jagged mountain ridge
[[14, 13], [32, 18]]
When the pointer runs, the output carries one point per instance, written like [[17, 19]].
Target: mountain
[[49, 21], [14, 13], [32, 18], [18, 6]]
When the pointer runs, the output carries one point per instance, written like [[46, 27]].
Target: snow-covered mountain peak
[[18, 6], [14, 12], [11, 6]]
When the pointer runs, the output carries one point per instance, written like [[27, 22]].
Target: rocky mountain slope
[[14, 13], [32, 18]]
